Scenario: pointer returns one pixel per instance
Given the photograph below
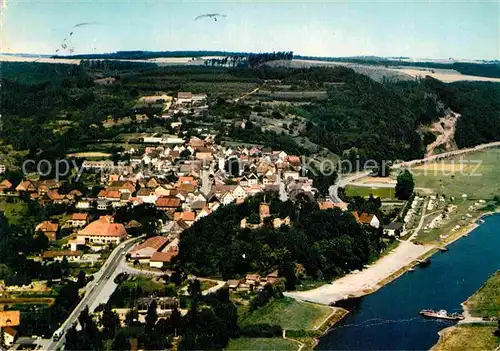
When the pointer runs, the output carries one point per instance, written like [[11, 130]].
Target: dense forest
[[474, 69], [48, 108], [326, 243]]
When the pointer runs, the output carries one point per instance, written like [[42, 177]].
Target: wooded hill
[[51, 107]]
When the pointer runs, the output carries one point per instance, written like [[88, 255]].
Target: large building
[[145, 250], [103, 231]]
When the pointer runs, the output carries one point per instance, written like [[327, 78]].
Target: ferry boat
[[442, 314]]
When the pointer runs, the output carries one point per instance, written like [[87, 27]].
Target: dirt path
[[247, 94], [446, 127]]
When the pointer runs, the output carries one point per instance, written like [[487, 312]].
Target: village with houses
[[224, 203], [182, 180]]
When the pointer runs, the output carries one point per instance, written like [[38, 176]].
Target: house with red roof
[[161, 258], [26, 186], [145, 250], [367, 219], [166, 203], [78, 220], [49, 229], [5, 185], [103, 231]]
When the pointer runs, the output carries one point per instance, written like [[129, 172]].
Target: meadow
[[468, 337], [486, 301], [263, 344], [475, 174], [384, 193], [466, 179], [289, 314]]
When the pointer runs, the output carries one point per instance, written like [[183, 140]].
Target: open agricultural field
[[444, 75], [384, 193], [467, 337], [263, 344], [291, 95], [289, 314]]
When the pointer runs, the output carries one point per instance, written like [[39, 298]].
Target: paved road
[[96, 291], [344, 180]]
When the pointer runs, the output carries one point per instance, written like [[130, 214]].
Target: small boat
[[443, 249], [424, 263], [442, 314], [411, 269]]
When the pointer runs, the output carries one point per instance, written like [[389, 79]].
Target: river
[[388, 319]]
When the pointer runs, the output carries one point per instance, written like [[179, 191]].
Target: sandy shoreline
[[431, 250], [354, 285]]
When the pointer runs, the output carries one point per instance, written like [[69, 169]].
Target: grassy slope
[[261, 344], [486, 301], [290, 314], [467, 337]]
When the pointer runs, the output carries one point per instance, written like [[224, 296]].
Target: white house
[[9, 336], [393, 228]]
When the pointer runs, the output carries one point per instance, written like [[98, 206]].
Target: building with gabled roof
[[167, 203], [5, 185], [187, 216], [367, 219], [9, 336], [78, 219], [103, 231], [26, 186], [49, 229], [146, 249]]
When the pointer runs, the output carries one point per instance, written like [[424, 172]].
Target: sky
[[419, 29]]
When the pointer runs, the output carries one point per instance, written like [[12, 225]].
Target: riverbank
[[389, 319], [467, 337], [303, 323], [308, 339], [473, 329], [384, 271]]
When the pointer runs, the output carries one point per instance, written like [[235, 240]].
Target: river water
[[389, 319]]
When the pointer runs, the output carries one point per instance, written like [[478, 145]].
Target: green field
[[262, 344], [290, 314], [449, 178], [468, 337], [486, 301], [365, 191], [455, 177]]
